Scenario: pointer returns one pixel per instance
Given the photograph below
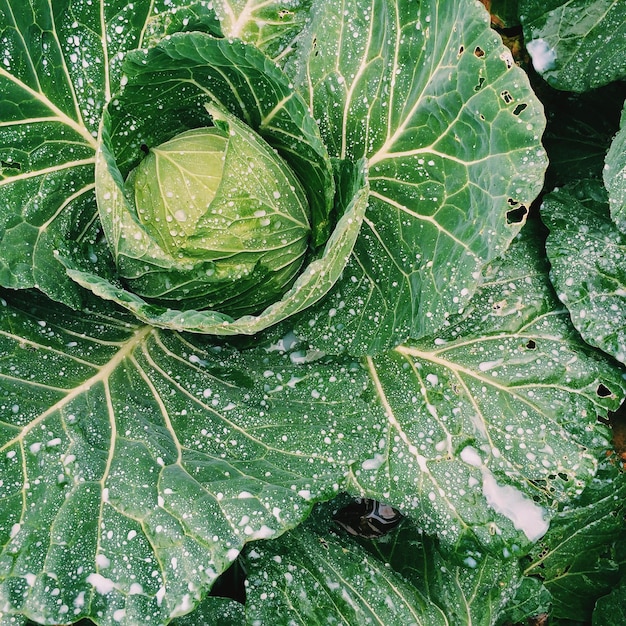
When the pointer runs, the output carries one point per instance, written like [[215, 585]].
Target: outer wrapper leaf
[[587, 253], [610, 609], [492, 422], [270, 25], [579, 559], [135, 465], [576, 45], [327, 578], [614, 175], [60, 64], [319, 571], [451, 130], [124, 444]]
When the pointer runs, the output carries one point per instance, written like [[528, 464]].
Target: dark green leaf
[[588, 253], [311, 576], [611, 609], [134, 465], [531, 600], [578, 558], [579, 130], [576, 45], [492, 421], [451, 131], [320, 574], [60, 64], [615, 176]]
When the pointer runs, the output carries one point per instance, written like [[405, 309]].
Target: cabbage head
[[223, 216]]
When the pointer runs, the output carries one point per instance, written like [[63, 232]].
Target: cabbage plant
[[258, 259]]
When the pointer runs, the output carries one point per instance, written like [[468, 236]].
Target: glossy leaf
[[493, 420], [324, 577], [587, 254], [271, 25], [451, 131], [60, 65], [610, 609], [320, 574], [470, 592], [135, 465], [615, 176], [576, 45], [578, 559]]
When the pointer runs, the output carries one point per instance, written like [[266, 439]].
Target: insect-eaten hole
[[10, 165], [479, 52], [481, 82], [519, 108], [506, 96], [531, 344], [461, 50], [603, 391], [517, 215]]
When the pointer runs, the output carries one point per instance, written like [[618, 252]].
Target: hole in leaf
[[508, 59], [482, 117], [512, 202], [461, 50], [230, 584], [506, 96], [11, 165], [144, 148], [563, 476], [479, 52], [603, 391], [519, 108], [516, 216], [368, 518], [531, 345], [481, 81]]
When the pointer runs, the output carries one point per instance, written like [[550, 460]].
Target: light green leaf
[[578, 559], [493, 420], [576, 45], [587, 253], [615, 175], [451, 131], [172, 83], [312, 284], [60, 64], [270, 25], [134, 465]]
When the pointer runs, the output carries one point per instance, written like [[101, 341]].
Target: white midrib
[[245, 16], [389, 413], [101, 376], [58, 114]]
